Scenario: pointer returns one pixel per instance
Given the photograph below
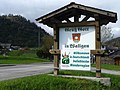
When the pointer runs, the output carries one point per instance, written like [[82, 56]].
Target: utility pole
[[38, 38]]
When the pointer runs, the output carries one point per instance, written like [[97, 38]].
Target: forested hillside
[[114, 42], [17, 30]]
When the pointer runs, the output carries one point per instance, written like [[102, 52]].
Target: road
[[107, 71], [16, 71]]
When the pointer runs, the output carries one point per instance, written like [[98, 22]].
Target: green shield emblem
[[65, 60]]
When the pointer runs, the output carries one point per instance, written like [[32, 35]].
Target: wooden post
[[56, 46], [76, 18], [98, 46]]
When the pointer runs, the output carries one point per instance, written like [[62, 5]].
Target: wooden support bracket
[[57, 68], [54, 51], [97, 52]]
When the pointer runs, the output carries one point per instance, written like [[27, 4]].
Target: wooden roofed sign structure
[[75, 39]]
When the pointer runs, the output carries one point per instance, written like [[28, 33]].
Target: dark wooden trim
[[98, 70], [54, 20], [76, 18], [112, 16], [67, 19], [86, 18], [75, 24]]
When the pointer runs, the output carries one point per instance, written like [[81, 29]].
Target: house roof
[[74, 9], [115, 54], [112, 48]]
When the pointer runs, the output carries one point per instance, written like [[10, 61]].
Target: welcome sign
[[75, 60], [75, 44]]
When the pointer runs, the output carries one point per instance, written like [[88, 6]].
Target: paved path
[[11, 72], [107, 71]]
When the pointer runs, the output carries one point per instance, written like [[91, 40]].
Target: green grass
[[115, 79], [21, 57], [45, 82], [20, 60], [109, 67]]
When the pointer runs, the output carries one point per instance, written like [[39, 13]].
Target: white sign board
[[75, 60], [77, 38], [75, 43]]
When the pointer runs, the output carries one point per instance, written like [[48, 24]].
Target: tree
[[106, 34], [47, 43]]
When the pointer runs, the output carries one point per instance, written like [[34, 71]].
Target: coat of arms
[[76, 37]]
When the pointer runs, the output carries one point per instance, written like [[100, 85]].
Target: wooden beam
[[104, 22], [54, 20], [81, 7], [98, 52], [96, 16], [66, 15], [98, 46], [76, 18], [76, 24], [54, 51], [86, 18], [56, 46], [67, 19], [95, 52]]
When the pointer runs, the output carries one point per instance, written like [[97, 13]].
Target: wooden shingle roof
[[74, 9]]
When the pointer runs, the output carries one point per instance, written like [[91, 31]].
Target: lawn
[[21, 57], [115, 79], [20, 60], [45, 82]]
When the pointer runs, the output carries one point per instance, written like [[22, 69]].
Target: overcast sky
[[32, 9]]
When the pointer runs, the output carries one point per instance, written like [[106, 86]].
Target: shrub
[[41, 53], [16, 53]]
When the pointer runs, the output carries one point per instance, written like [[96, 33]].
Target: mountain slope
[[17, 30], [114, 42]]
